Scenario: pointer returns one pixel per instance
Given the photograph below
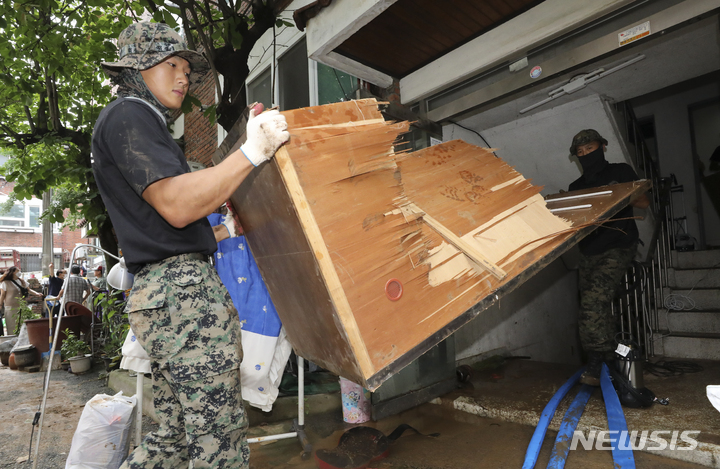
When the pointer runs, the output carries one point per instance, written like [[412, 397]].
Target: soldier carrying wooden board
[[178, 308]]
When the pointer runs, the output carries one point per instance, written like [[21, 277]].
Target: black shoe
[[591, 376]]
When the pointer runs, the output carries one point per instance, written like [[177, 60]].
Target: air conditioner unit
[[84, 231], [195, 166]]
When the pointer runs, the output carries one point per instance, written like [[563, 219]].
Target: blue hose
[[536, 441], [567, 428], [622, 458]]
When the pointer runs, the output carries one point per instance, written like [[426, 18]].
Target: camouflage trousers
[[184, 318], [600, 278]]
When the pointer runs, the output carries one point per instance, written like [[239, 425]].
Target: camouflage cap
[[144, 45], [584, 137]]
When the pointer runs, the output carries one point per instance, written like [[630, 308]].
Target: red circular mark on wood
[[393, 289]]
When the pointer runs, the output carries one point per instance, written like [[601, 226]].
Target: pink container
[[355, 402]]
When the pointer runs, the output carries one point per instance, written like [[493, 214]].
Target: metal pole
[[139, 411], [658, 272], [647, 319], [654, 302], [663, 257], [301, 391], [46, 387], [48, 256], [627, 303], [636, 288]]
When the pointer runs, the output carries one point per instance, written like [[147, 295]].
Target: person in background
[[55, 284], [100, 283], [178, 308], [605, 254], [13, 288], [76, 288]]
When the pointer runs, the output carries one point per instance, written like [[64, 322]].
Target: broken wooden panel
[[372, 257]]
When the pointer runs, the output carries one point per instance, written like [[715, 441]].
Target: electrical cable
[[476, 133], [678, 302], [337, 78], [666, 368]]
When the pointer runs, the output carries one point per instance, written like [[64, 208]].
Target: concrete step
[[696, 259], [699, 346], [698, 299], [689, 321], [694, 278]]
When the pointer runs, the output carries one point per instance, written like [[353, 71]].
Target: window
[[260, 90], [31, 262], [293, 78], [34, 217], [21, 216], [15, 217], [333, 85]]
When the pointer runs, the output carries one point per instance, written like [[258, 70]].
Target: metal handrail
[[637, 304]]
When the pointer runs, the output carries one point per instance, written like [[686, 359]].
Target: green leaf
[[211, 114], [168, 18], [189, 102], [236, 39]]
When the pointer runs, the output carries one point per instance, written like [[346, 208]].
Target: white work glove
[[265, 134], [229, 223]]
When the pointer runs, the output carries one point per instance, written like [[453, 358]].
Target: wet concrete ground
[[20, 397], [491, 429], [499, 412], [466, 441]]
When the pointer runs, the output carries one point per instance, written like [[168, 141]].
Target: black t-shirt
[[131, 149], [55, 284], [611, 234]]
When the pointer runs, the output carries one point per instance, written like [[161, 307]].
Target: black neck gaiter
[[131, 84], [593, 163]]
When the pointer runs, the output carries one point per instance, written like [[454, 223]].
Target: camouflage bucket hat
[[144, 45], [584, 137]]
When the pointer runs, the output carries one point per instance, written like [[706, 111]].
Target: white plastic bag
[[102, 435], [134, 356], [713, 394]]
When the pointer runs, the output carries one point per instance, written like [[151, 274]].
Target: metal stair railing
[[640, 297]]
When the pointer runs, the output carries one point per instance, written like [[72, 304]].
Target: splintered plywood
[[480, 198], [338, 220]]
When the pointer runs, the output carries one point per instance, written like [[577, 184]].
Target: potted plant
[[115, 327], [74, 350], [23, 313]]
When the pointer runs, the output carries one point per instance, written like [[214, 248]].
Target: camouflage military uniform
[[184, 318], [600, 278]]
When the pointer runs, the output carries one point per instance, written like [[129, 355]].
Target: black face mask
[[593, 162]]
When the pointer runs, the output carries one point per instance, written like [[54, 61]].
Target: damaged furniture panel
[[372, 256]]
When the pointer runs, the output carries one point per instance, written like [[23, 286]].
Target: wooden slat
[[459, 243]]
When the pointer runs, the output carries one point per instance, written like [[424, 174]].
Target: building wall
[[25, 241], [538, 146], [538, 320], [669, 110], [200, 135]]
